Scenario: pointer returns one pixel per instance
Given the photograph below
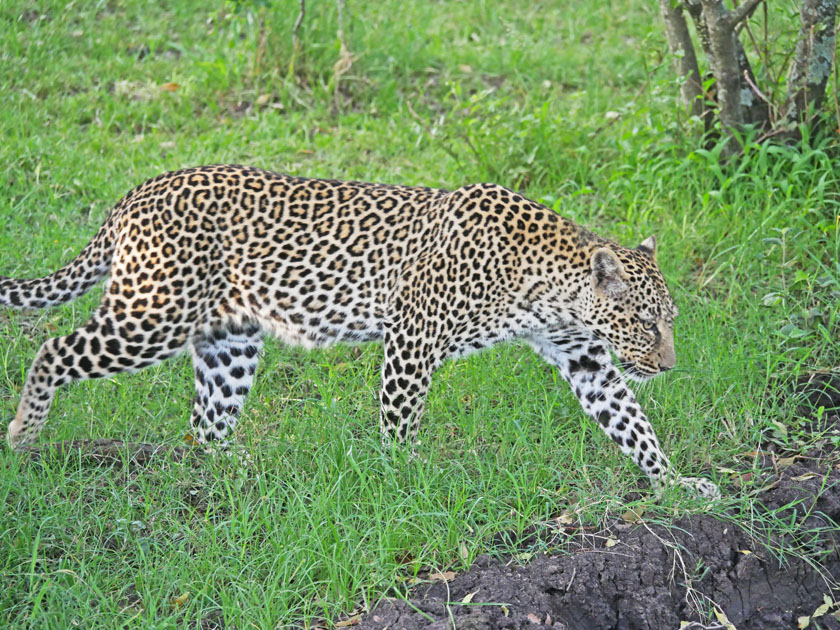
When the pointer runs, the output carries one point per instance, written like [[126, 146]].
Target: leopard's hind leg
[[224, 364], [103, 347]]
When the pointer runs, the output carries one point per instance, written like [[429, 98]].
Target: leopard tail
[[74, 279]]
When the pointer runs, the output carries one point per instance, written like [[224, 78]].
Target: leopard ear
[[608, 273], [648, 246]]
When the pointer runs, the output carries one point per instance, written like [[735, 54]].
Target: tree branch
[[739, 14]]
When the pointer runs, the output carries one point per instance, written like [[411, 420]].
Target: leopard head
[[631, 309]]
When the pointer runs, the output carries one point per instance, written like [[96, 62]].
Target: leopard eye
[[648, 324]]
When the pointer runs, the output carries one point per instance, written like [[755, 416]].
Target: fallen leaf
[[803, 622], [746, 552], [180, 601], [263, 99], [524, 556], [77, 33], [464, 552], [725, 470], [754, 454], [785, 462], [445, 576], [633, 515], [612, 541], [805, 477], [505, 610], [534, 619], [169, 87], [465, 68], [722, 618], [469, 597], [823, 608], [352, 621], [565, 518]]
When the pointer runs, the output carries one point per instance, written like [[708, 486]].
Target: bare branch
[[298, 22]]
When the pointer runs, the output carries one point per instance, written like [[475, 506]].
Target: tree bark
[[679, 41], [756, 110], [724, 61], [812, 60]]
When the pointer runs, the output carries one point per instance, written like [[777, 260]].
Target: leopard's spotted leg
[[224, 364], [406, 375], [604, 395], [102, 348]]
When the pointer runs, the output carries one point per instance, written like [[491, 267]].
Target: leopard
[[213, 260]]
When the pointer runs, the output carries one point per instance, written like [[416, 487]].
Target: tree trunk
[[812, 61], [679, 41], [724, 62]]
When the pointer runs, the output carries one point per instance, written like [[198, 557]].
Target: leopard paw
[[700, 486]]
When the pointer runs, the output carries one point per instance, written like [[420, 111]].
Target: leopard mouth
[[634, 372]]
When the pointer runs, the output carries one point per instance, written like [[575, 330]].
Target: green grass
[[446, 93]]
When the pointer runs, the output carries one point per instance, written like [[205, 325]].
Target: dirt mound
[[646, 576]]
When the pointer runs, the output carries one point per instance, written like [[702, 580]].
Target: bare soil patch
[[656, 576]]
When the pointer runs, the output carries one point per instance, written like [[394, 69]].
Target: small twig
[[571, 579], [755, 88], [426, 128], [295, 40], [298, 22]]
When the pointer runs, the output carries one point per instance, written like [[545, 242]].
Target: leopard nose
[[667, 361]]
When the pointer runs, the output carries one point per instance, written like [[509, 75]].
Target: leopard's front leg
[[604, 395], [406, 374]]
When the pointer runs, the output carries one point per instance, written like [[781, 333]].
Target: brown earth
[[652, 576]]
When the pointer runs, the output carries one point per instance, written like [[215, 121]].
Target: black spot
[[604, 418], [237, 372], [589, 364]]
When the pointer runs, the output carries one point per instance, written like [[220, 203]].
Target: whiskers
[[642, 379]]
